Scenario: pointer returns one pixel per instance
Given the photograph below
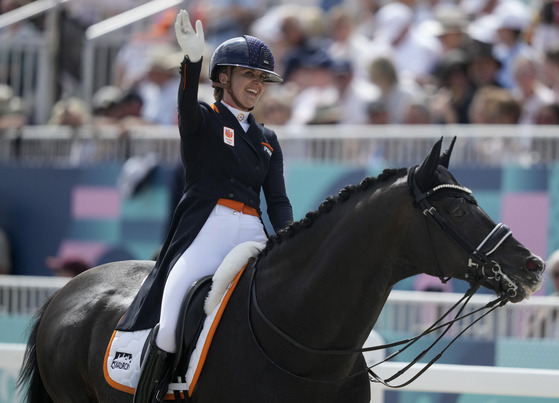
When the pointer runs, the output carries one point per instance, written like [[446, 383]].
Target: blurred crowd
[[344, 62]]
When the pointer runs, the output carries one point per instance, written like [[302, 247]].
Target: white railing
[[104, 39], [439, 378], [474, 379], [27, 63], [381, 145], [404, 312], [23, 295]]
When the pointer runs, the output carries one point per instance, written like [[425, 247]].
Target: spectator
[[299, 47], [513, 19], [450, 29], [377, 113], [354, 93], [319, 101], [483, 66], [417, 112], [347, 44], [494, 105], [225, 19], [274, 107], [550, 74], [68, 266], [546, 322], [528, 90], [396, 38], [393, 94], [548, 115], [104, 104], [159, 88], [12, 109], [546, 30], [451, 102], [71, 112], [134, 57]]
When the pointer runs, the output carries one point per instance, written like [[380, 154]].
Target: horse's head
[[457, 227]]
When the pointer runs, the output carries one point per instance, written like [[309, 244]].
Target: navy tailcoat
[[220, 161]]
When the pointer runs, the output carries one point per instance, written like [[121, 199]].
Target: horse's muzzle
[[529, 280], [535, 265]]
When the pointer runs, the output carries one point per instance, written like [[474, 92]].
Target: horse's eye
[[459, 212]]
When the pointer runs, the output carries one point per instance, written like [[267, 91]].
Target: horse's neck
[[335, 276]]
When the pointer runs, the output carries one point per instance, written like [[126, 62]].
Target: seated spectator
[[551, 69], [417, 112], [546, 29], [548, 115], [346, 43], [450, 29], [451, 102], [528, 90], [396, 38], [158, 89], [494, 105], [274, 107], [394, 94], [72, 112], [377, 113], [513, 19], [355, 93], [104, 105], [546, 322], [12, 109], [299, 47], [483, 66], [319, 101]]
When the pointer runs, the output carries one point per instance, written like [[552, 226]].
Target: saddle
[[122, 368], [201, 311]]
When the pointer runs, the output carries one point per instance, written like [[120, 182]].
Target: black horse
[[318, 286]]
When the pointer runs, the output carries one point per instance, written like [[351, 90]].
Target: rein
[[479, 272]]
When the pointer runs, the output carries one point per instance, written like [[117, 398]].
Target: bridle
[[480, 264], [481, 268]]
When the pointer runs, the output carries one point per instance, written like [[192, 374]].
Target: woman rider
[[230, 159]]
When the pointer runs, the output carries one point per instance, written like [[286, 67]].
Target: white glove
[[191, 43]]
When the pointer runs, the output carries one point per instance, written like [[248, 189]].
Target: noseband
[[481, 266]]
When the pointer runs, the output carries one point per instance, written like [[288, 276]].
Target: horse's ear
[[445, 158], [425, 171]]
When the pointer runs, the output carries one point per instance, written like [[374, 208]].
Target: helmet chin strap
[[227, 87]]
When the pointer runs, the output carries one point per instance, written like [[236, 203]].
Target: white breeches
[[224, 229]]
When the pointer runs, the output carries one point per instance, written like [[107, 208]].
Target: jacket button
[[232, 180], [231, 195]]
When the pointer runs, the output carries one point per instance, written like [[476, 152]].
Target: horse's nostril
[[534, 264]]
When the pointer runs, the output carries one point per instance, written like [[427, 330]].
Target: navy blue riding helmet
[[244, 51]]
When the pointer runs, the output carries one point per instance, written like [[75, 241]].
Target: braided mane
[[329, 203]]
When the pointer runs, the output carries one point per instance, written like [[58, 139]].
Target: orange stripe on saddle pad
[[108, 378], [212, 330]]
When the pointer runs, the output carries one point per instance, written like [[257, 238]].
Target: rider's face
[[247, 85]]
